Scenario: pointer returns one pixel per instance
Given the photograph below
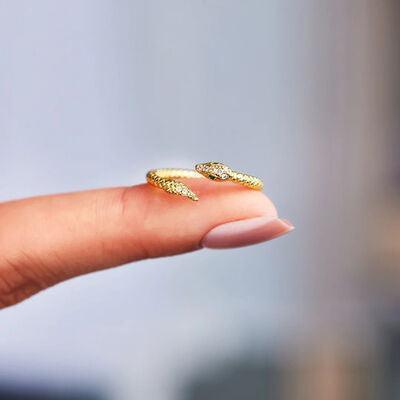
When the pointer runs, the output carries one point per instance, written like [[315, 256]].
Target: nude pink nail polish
[[246, 232]]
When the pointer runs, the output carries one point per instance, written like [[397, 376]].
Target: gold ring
[[165, 178]]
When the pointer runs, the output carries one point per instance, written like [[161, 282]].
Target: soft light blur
[[301, 93]]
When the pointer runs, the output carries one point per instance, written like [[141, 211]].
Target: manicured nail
[[246, 232]]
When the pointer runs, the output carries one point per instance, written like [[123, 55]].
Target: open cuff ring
[[166, 178]]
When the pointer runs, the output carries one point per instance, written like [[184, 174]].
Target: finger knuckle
[[15, 284]]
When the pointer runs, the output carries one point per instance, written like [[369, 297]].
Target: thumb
[[45, 240]]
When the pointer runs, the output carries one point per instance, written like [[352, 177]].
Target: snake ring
[[166, 178]]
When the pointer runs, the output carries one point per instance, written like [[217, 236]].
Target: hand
[[45, 240]]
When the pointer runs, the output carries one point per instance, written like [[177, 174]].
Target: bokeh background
[[303, 93]]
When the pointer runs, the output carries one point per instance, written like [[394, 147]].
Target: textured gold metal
[[166, 178]]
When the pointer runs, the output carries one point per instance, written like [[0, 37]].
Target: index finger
[[45, 240]]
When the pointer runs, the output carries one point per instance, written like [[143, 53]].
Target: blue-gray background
[[94, 93]]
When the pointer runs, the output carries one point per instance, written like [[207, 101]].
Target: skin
[[46, 240]]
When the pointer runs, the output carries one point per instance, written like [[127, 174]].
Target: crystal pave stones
[[214, 171], [165, 179]]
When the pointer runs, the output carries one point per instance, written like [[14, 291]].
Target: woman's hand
[[45, 240]]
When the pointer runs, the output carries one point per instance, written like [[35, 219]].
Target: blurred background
[[94, 93]]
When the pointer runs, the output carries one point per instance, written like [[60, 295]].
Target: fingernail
[[246, 232]]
